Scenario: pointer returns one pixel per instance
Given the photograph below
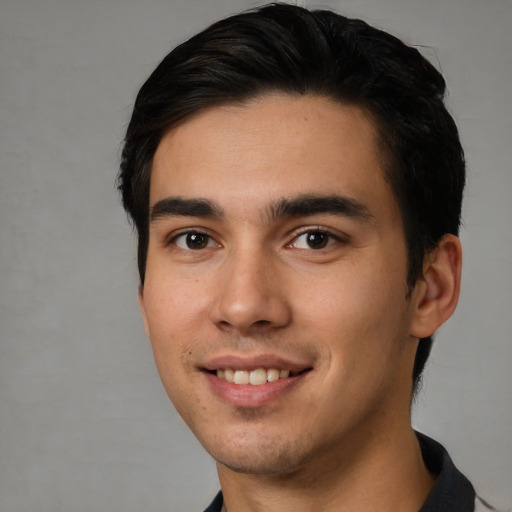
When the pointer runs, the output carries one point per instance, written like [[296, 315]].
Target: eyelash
[[331, 239], [191, 232]]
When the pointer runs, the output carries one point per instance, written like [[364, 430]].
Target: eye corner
[[190, 240], [315, 239]]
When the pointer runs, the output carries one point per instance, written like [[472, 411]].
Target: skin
[[255, 289]]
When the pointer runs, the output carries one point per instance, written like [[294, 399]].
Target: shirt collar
[[452, 491]]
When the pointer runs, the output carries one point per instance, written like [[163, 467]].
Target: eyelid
[[340, 237], [172, 237]]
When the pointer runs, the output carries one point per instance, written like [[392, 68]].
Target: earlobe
[[142, 308], [437, 292]]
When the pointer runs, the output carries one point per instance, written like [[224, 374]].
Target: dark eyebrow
[[311, 204], [179, 206]]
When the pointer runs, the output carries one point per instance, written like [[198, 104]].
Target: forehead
[[269, 147]]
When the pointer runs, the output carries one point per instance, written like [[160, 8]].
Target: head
[[287, 49]]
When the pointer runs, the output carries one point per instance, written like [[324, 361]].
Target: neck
[[389, 475]]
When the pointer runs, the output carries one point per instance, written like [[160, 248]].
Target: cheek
[[171, 301], [359, 314], [351, 295], [170, 318], [172, 337]]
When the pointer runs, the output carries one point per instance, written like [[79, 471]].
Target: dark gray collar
[[452, 491]]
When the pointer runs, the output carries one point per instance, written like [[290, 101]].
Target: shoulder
[[452, 491], [483, 506], [216, 504]]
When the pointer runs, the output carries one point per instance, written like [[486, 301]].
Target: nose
[[251, 295]]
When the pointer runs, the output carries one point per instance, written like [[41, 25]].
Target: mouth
[[255, 377], [254, 381]]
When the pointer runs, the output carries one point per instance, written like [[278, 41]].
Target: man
[[296, 184]]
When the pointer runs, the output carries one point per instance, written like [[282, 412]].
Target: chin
[[273, 465], [267, 457]]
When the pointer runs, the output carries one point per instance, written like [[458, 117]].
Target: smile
[[254, 387], [254, 380], [255, 377]]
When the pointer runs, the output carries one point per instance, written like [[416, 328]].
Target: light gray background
[[84, 422]]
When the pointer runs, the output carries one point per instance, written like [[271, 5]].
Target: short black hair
[[285, 48]]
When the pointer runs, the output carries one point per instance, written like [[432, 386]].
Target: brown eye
[[197, 241], [194, 241], [315, 240]]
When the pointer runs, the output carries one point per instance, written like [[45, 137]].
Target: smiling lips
[[253, 381], [255, 377]]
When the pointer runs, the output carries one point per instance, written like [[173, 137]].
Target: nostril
[[245, 308]]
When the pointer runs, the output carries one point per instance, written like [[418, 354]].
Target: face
[[275, 294]]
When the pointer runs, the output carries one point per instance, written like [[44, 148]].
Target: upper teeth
[[255, 377]]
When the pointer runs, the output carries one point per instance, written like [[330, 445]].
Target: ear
[[436, 293], [142, 308]]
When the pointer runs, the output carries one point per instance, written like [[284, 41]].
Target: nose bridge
[[251, 291]]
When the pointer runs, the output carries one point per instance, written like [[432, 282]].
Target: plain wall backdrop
[[84, 422]]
